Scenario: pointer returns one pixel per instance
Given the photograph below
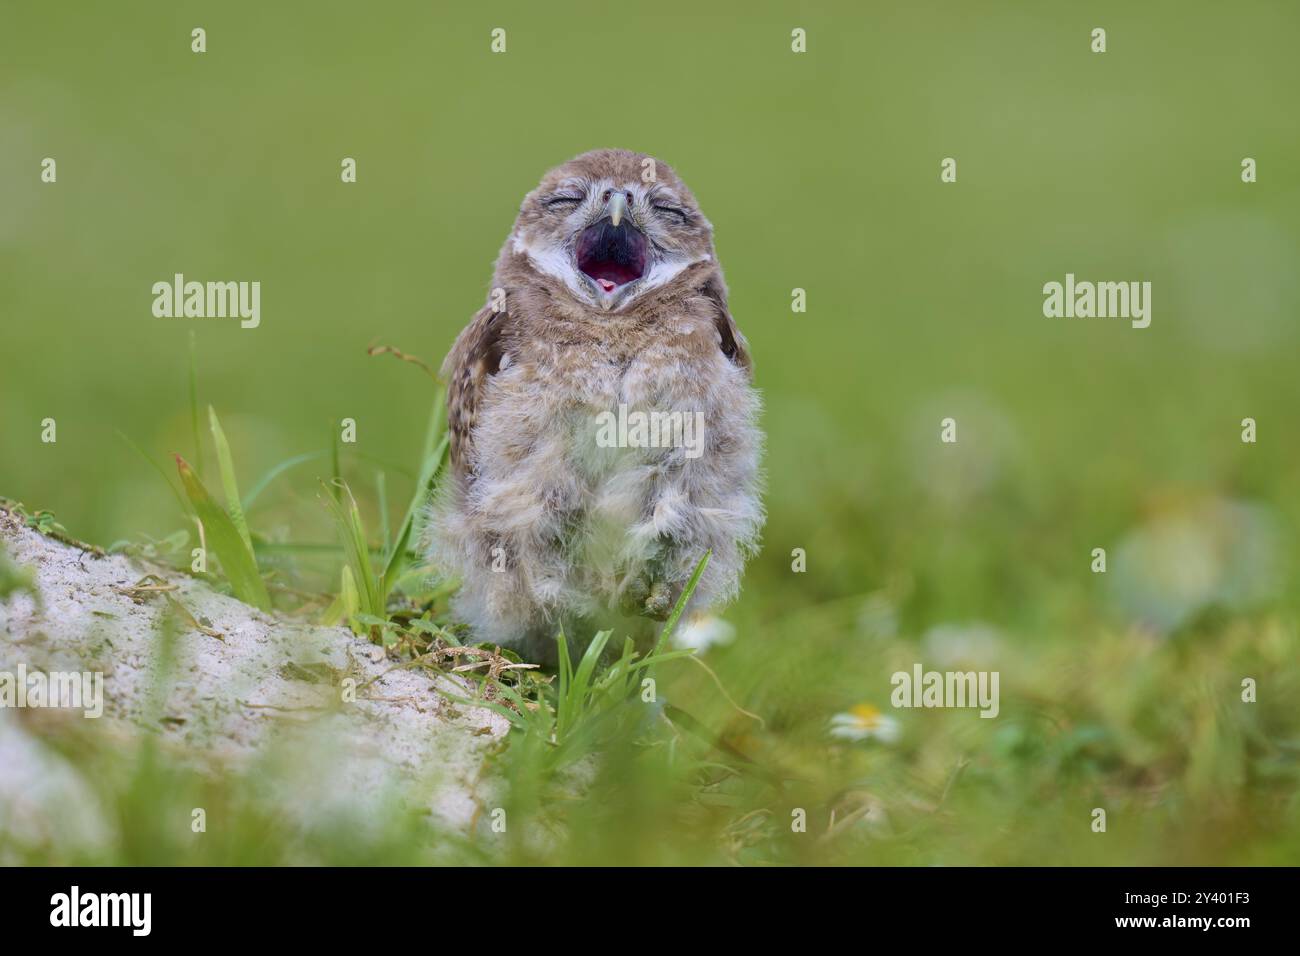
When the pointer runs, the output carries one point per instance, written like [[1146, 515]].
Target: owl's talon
[[634, 595], [659, 602]]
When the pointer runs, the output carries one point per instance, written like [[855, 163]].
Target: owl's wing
[[731, 341], [474, 357]]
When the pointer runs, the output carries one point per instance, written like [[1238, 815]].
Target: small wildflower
[[864, 722], [703, 631]]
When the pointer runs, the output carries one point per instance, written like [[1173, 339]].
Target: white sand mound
[[265, 689]]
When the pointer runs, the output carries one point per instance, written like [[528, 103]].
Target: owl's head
[[611, 225]]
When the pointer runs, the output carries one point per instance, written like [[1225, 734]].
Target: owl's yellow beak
[[617, 208]]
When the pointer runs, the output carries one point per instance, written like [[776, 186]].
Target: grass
[[219, 532], [731, 762], [617, 758], [589, 707]]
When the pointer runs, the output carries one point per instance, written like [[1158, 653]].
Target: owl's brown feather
[[730, 340], [476, 355], [543, 525], [480, 349]]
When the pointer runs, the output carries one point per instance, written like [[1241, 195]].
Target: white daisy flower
[[865, 722], [703, 631]]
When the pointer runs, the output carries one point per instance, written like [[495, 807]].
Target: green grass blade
[[336, 472], [661, 658], [293, 547], [194, 403], [522, 721], [398, 553], [226, 464], [347, 517], [346, 604], [587, 666], [381, 491], [573, 698], [222, 537], [681, 603], [180, 501], [566, 665], [276, 472], [436, 443], [540, 719]]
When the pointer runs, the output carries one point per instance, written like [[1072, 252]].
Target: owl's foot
[[659, 601], [646, 598]]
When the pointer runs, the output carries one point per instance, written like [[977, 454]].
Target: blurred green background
[[819, 171]]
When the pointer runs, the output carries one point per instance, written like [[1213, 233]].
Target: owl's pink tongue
[[611, 256]]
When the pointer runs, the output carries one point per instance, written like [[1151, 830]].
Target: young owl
[[603, 426]]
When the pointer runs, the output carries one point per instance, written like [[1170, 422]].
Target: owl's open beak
[[611, 252]]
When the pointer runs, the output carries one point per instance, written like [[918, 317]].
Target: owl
[[603, 423]]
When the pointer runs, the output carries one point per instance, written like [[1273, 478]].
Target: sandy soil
[[266, 687]]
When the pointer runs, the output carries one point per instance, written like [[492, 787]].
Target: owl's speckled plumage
[[612, 295]]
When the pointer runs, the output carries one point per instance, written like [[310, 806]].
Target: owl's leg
[[660, 601], [647, 597], [647, 594]]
